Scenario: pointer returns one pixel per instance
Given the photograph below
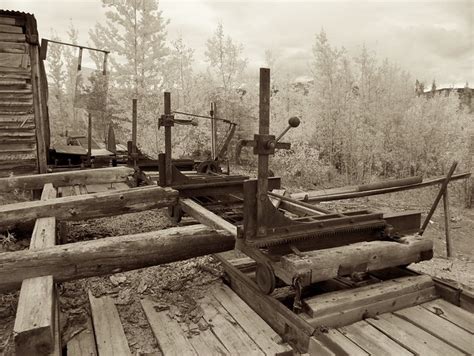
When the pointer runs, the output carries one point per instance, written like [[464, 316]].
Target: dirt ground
[[179, 285]]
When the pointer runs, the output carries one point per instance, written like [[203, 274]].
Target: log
[[322, 265], [88, 176], [34, 329], [112, 254], [89, 206]]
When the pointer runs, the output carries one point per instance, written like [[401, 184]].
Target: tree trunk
[[111, 255]]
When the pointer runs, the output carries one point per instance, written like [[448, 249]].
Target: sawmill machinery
[[285, 240], [279, 242]]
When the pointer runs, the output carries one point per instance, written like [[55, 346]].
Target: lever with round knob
[[292, 123]]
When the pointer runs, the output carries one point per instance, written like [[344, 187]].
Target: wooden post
[[42, 150], [134, 132], [213, 131], [89, 140], [441, 192], [446, 223], [263, 159], [169, 172]]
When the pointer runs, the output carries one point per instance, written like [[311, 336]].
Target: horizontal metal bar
[[351, 195], [77, 46]]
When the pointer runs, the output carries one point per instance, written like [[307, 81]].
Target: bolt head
[[294, 121]]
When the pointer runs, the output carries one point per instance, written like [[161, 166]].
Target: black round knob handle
[[294, 121]]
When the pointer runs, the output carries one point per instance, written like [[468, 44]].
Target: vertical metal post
[[263, 159], [89, 140], [134, 132], [213, 131], [79, 60], [446, 222], [104, 69], [169, 172]]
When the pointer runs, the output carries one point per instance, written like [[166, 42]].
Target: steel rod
[[357, 194], [77, 46], [204, 117]]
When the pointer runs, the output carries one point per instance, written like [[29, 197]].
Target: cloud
[[430, 39]]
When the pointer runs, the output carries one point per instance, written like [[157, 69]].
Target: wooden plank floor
[[432, 328], [228, 327]]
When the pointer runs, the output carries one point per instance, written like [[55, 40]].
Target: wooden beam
[[35, 327], [366, 256], [109, 333], [90, 205], [87, 176], [329, 303], [207, 217], [112, 254], [357, 313]]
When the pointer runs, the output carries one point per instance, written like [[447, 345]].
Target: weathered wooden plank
[[12, 37], [441, 328], [206, 217], [110, 337], [5, 28], [57, 339], [260, 332], [373, 255], [34, 323], [347, 299], [111, 254], [230, 334], [348, 316], [89, 206], [412, 337], [9, 47], [372, 340], [452, 313], [88, 176], [14, 60], [83, 344], [339, 344], [34, 330], [5, 20], [316, 348], [168, 334]]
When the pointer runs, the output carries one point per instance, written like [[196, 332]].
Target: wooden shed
[[24, 124]]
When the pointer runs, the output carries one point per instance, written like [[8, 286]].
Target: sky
[[429, 39]]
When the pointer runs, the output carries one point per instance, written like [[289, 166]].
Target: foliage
[[363, 118]]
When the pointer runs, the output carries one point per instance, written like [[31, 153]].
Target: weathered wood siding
[[20, 149]]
